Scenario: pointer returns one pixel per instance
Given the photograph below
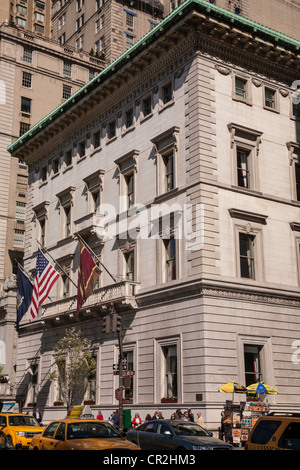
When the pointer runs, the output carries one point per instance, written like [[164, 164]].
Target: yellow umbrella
[[261, 387], [232, 387]]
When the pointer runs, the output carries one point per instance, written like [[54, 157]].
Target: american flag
[[45, 278]]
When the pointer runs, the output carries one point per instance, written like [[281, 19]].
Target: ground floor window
[[252, 358]]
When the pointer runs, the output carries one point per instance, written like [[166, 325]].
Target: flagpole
[[57, 263], [93, 254]]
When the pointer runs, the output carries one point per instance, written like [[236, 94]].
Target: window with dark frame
[[147, 106], [67, 92], [240, 87], [297, 180], [170, 388], [247, 261], [270, 96], [129, 180], [25, 105], [169, 171], [26, 79], [167, 93], [170, 258], [252, 356], [243, 165]]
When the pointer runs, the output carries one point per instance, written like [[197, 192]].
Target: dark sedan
[[172, 435]]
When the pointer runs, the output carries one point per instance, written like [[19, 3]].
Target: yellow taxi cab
[[80, 434], [275, 431], [19, 428]]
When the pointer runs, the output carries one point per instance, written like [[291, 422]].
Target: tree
[[74, 365]]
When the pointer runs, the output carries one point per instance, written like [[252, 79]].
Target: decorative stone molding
[[222, 69], [249, 216]]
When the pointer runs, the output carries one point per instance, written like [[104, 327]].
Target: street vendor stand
[[240, 418]]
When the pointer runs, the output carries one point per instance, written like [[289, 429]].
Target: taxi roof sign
[[81, 411]]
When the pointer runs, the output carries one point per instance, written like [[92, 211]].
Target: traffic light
[[116, 322], [106, 324]]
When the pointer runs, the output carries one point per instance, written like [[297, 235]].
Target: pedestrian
[[136, 420], [190, 415], [37, 415], [148, 417], [173, 416], [115, 419], [186, 416], [159, 415], [221, 428], [200, 420], [178, 413], [100, 415], [155, 416]]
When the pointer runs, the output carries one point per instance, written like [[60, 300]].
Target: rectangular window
[[21, 9], [24, 127], [67, 69], [44, 173], [129, 118], [129, 20], [129, 260], [97, 139], [270, 96], [81, 149], [65, 285], [21, 22], [39, 28], [170, 259], [243, 173], [40, 4], [67, 221], [170, 371], [67, 92], [26, 79], [27, 55], [252, 356], [129, 41], [167, 93], [42, 231], [25, 105], [19, 238], [297, 177], [68, 158], [112, 127], [169, 171], [20, 210], [240, 87], [147, 106], [129, 179], [39, 17], [247, 265]]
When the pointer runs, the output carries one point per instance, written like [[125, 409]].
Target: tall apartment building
[[32, 15], [104, 28], [36, 75], [107, 28], [182, 161]]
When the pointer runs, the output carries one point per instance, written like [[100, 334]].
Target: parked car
[[80, 434], [19, 428], [275, 431], [174, 435], [5, 443]]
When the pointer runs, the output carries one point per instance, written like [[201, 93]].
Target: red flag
[[88, 273]]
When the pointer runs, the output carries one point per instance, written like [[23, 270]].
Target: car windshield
[[189, 429], [22, 421], [87, 430]]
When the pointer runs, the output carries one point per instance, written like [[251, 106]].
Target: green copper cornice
[[209, 10]]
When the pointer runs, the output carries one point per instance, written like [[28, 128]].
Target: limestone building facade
[[178, 165]]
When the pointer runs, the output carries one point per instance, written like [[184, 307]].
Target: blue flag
[[24, 295]]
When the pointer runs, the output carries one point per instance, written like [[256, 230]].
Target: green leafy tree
[[74, 365]]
